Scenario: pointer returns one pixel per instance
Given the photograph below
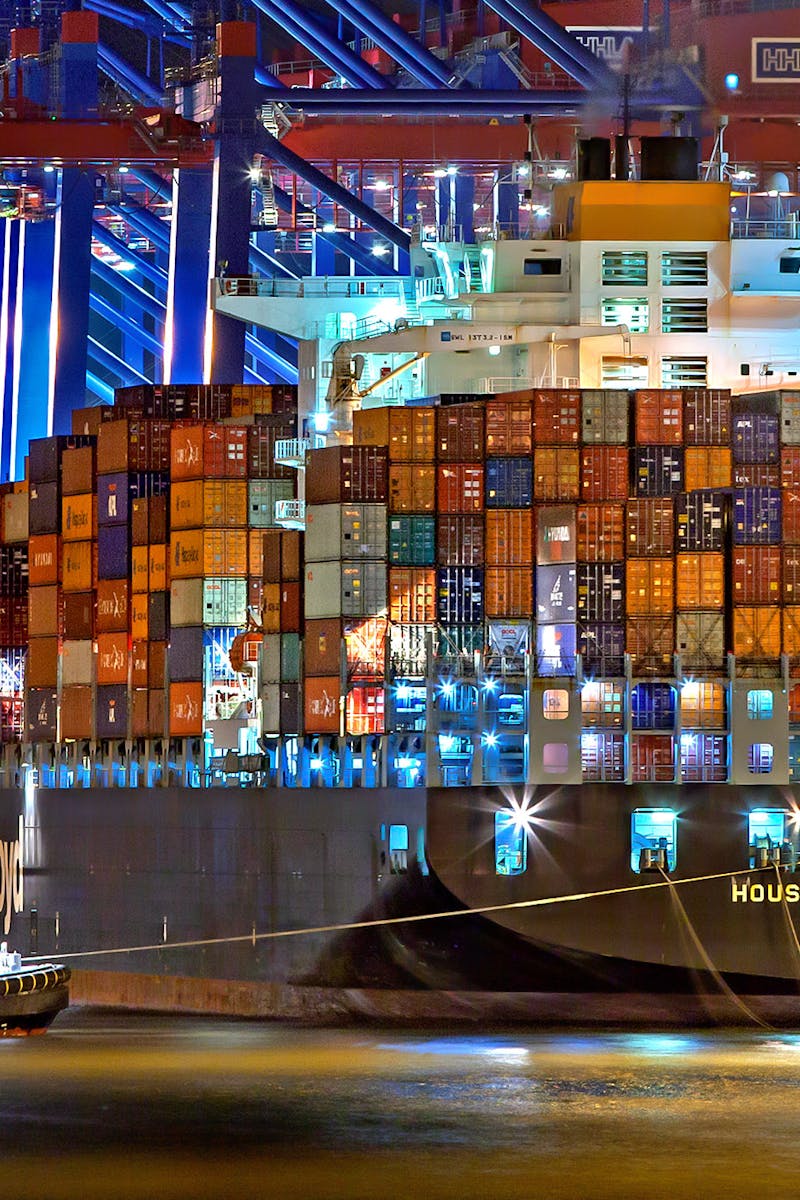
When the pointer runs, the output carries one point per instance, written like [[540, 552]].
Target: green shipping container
[[261, 497], [412, 541], [290, 657]]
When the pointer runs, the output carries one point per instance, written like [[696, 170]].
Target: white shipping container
[[347, 531], [186, 602], [271, 658], [700, 641], [345, 589], [224, 601], [15, 517], [77, 663], [604, 416], [271, 708]]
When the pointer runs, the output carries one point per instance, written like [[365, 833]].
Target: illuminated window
[[759, 704], [684, 372], [767, 834], [602, 703], [653, 830], [555, 758], [759, 758], [555, 704], [617, 371], [688, 268], [683, 316], [398, 849], [703, 705], [633, 313], [510, 844], [626, 267]]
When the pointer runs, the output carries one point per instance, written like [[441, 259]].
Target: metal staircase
[[472, 268]]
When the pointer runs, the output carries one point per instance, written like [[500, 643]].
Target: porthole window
[[555, 704], [510, 844]]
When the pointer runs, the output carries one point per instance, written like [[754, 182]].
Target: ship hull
[[164, 899]]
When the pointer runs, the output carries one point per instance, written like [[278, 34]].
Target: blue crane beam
[[340, 241], [392, 38], [155, 274], [130, 290], [269, 146], [350, 102], [310, 32], [110, 362], [269, 266], [127, 76], [546, 33], [287, 372], [101, 389], [143, 22], [137, 216], [128, 327]]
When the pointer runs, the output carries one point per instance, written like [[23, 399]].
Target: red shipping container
[[601, 532], [794, 704], [649, 528], [509, 424], [112, 657], [321, 702], [291, 611], [347, 474], [707, 416], [460, 433], [203, 450], [459, 488], [790, 517], [604, 473], [790, 466], [365, 709], [556, 416], [659, 417], [44, 559], [112, 605], [185, 710], [460, 541], [790, 589], [757, 475], [756, 574], [652, 758]]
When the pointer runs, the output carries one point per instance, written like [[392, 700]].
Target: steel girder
[[392, 38], [317, 102], [127, 76], [312, 33]]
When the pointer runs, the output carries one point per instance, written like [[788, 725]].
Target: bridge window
[[759, 758], [541, 266], [627, 267], [759, 704], [555, 758], [398, 849], [683, 316], [633, 313], [653, 830], [684, 372], [510, 844], [555, 704], [684, 268], [790, 266]]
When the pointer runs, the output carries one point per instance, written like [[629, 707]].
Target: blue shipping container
[[603, 648], [185, 654], [701, 518], [459, 595], [601, 592], [653, 706], [115, 493], [756, 438], [757, 516], [112, 711], [556, 593], [113, 552], [509, 482], [657, 470]]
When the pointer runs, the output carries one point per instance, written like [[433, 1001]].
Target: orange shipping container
[[371, 426], [791, 632], [508, 592], [509, 537], [112, 605], [322, 704], [41, 666], [650, 642], [208, 451], [225, 503], [77, 471], [45, 611], [186, 554], [556, 473], [459, 488], [412, 595], [659, 417], [139, 674], [700, 581], [365, 709], [185, 709], [271, 607], [139, 610], [44, 559], [157, 568], [556, 416], [412, 488], [256, 540], [112, 658], [509, 425], [600, 532], [139, 568], [225, 552], [757, 632], [76, 566], [79, 517], [649, 586], [412, 434], [186, 504], [707, 467]]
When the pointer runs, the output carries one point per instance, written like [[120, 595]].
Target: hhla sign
[[11, 878]]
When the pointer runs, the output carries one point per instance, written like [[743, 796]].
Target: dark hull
[[142, 872], [31, 1000]]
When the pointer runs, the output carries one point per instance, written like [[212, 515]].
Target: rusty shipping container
[[508, 592], [345, 474], [509, 424], [412, 488], [757, 574], [556, 416], [460, 540], [707, 416], [658, 417], [509, 537], [707, 467], [412, 595], [460, 488], [604, 473], [460, 433], [600, 532], [650, 528], [649, 586]]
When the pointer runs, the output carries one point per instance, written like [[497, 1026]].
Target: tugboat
[[31, 996]]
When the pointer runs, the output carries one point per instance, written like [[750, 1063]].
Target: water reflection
[[109, 1104]]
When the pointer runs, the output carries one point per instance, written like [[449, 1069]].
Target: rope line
[[383, 921]]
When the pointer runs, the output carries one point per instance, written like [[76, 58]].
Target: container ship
[[521, 664]]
